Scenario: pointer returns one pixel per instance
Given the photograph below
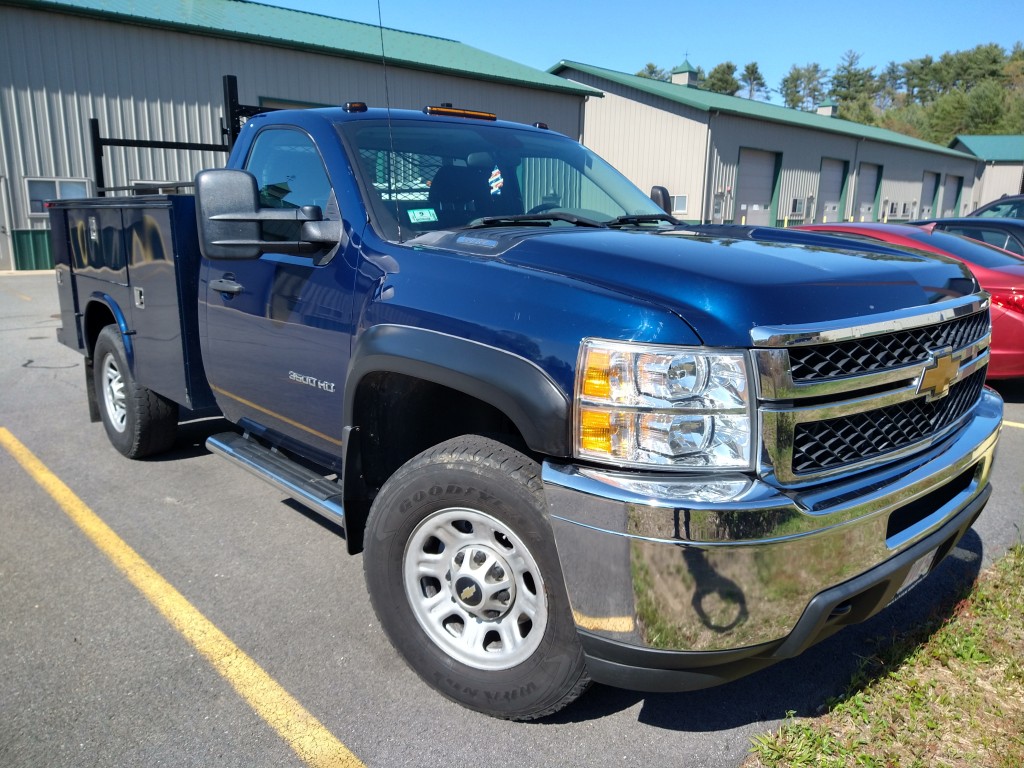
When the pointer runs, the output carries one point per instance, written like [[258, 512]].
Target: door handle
[[225, 286]]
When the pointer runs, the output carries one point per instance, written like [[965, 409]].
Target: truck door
[[278, 328]]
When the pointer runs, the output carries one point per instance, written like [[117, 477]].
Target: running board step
[[296, 481]]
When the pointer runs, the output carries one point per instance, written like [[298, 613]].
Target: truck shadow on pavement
[[806, 684], [190, 440]]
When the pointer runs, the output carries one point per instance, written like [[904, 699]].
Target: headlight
[[663, 407]]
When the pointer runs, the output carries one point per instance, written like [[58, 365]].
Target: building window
[[906, 211], [679, 203], [893, 208], [41, 190], [796, 210]]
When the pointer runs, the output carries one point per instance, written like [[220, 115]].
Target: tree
[[752, 79], [854, 87], [1013, 70], [979, 91], [654, 72], [947, 117], [804, 87], [964, 70], [722, 79], [890, 86], [860, 110], [919, 80], [986, 108]]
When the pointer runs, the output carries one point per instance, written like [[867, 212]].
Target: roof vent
[[828, 108], [685, 74]]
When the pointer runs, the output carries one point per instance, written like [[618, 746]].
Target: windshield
[[421, 176]]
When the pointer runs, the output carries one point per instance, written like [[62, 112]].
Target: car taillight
[[1009, 298]]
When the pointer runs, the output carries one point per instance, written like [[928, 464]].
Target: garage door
[[951, 195], [755, 184], [830, 190], [867, 189], [929, 187]]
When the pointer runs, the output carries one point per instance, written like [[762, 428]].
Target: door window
[[289, 174], [995, 237]]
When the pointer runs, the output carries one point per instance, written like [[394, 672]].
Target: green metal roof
[[996, 149], [251, 21], [708, 101]]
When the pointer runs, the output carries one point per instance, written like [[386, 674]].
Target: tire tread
[[494, 457]]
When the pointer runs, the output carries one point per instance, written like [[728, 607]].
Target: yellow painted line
[[1016, 424], [603, 623], [276, 415], [310, 740], [18, 295]]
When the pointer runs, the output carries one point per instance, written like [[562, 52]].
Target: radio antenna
[[391, 135]]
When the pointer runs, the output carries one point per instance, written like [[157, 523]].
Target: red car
[[999, 272]]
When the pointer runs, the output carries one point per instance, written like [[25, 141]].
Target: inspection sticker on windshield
[[422, 215]]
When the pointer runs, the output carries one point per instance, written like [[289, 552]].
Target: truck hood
[[724, 287]]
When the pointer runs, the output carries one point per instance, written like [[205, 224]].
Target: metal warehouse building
[[1001, 170], [729, 159], [155, 71]]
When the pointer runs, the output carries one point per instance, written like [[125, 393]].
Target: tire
[[462, 571], [138, 421]]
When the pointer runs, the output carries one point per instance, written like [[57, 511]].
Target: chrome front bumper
[[678, 571]]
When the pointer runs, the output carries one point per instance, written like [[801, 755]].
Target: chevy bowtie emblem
[[939, 374], [467, 593]]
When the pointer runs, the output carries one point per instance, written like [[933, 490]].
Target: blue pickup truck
[[574, 440]]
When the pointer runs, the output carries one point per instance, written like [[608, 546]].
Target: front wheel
[[463, 574], [138, 421]]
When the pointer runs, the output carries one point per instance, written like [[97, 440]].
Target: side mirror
[[662, 199], [230, 219], [227, 208]]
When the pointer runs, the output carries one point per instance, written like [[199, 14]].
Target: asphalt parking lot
[[92, 674]]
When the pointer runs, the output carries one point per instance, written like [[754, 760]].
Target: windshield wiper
[[641, 218], [533, 219]]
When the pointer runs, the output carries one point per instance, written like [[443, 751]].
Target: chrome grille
[[846, 395], [822, 445], [878, 353]]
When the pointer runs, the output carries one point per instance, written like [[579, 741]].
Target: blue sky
[[624, 36]]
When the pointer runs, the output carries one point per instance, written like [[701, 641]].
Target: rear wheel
[[463, 573], [138, 421]]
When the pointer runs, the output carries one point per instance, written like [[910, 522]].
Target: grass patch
[[946, 695]]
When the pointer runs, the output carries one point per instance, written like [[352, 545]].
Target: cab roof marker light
[[355, 106], [447, 110]]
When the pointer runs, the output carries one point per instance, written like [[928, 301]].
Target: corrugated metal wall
[[802, 151], [657, 141], [998, 179], [651, 141], [57, 71]]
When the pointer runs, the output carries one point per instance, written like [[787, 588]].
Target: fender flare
[[119, 318], [517, 387]]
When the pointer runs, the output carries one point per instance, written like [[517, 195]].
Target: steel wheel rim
[[475, 589], [113, 393]]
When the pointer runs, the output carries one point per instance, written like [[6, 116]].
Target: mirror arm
[[305, 214]]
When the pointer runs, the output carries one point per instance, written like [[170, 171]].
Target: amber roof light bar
[[447, 110]]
